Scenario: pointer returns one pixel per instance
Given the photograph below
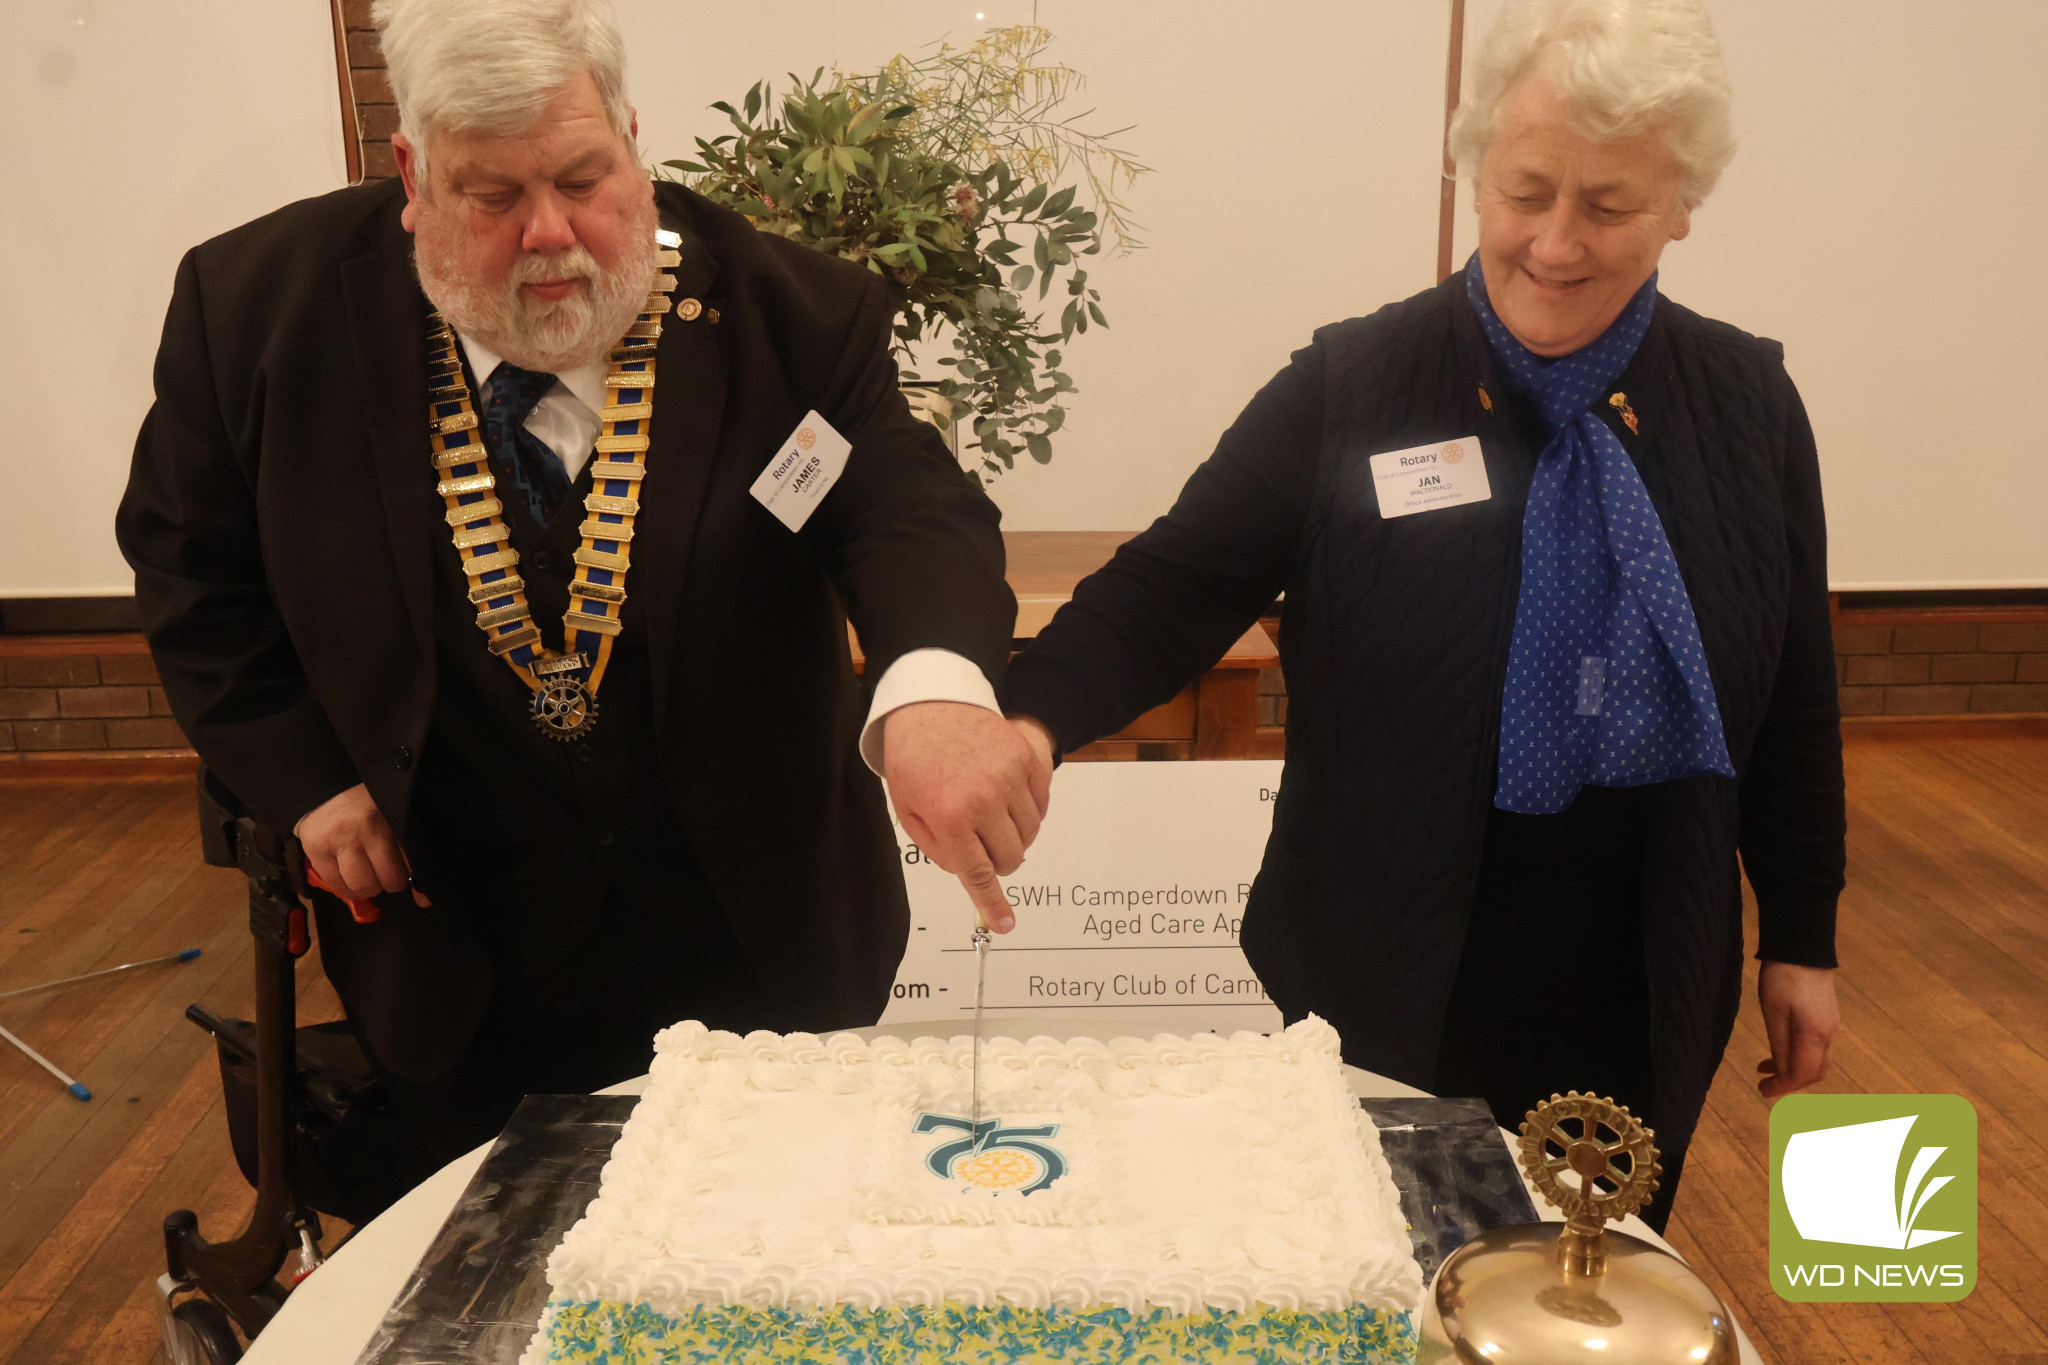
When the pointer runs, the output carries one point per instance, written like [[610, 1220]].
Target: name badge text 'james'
[[802, 472], [1424, 478]]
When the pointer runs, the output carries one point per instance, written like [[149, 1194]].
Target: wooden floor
[[1944, 947], [1944, 942], [95, 873]]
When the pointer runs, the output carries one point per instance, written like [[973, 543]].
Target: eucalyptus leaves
[[939, 174]]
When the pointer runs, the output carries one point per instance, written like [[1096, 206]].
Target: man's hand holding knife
[[971, 789]]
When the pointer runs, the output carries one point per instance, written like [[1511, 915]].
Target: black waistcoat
[[567, 861]]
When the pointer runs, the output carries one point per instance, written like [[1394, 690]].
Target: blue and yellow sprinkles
[[609, 1333]]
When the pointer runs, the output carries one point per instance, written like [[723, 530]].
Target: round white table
[[330, 1317]]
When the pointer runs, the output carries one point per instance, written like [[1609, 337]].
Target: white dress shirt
[[567, 423]]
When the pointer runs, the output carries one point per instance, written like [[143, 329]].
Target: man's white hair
[[491, 66], [1622, 66]]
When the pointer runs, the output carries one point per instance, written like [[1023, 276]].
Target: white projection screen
[[1874, 222], [1294, 148], [129, 131]]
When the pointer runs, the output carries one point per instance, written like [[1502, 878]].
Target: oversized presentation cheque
[[1132, 898]]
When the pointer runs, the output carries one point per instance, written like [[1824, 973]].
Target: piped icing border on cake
[[606, 1333], [1308, 1256]]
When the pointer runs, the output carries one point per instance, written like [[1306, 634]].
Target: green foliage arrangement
[[938, 173]]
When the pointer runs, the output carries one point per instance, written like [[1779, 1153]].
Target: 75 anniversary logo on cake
[[996, 1158]]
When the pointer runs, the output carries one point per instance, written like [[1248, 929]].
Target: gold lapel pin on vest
[[1619, 402], [689, 309]]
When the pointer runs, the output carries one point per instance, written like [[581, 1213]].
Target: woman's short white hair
[[1622, 66], [491, 66]]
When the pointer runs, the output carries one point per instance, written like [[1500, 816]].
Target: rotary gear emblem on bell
[[1549, 1148]]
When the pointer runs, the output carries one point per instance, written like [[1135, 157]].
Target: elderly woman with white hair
[[1555, 628]]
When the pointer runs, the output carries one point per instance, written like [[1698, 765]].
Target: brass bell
[[1571, 1292]]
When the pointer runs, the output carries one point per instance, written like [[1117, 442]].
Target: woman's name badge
[[1424, 478], [801, 473]]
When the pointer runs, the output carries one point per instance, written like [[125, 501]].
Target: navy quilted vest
[[1395, 640]]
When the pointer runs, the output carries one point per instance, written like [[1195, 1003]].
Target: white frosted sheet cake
[[797, 1198]]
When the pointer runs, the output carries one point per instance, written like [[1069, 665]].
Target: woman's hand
[[1039, 738], [1800, 1018]]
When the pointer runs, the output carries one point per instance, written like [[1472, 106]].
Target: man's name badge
[[1424, 478], [802, 472]]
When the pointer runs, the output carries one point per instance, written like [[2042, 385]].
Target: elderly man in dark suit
[[461, 527]]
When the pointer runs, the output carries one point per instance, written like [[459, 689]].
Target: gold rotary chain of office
[[564, 705]]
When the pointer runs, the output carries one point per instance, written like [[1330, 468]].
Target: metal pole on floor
[[78, 1092], [186, 956]]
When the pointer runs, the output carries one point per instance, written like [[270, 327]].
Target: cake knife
[[981, 941]]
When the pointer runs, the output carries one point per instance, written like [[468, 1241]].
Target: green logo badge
[[1873, 1198]]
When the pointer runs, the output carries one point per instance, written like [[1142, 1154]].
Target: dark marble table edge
[[479, 1290]]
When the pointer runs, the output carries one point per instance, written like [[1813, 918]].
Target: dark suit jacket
[[281, 519], [1395, 640]]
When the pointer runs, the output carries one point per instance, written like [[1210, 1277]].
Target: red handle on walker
[[362, 912]]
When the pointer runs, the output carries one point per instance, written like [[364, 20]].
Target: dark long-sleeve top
[[1394, 637]]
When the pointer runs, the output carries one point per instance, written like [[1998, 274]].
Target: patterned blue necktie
[[1607, 681], [519, 457]]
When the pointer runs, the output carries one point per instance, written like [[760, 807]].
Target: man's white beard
[[539, 334]]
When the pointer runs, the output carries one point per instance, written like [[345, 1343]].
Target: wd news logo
[[1873, 1198]]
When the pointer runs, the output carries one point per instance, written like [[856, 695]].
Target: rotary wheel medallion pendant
[[564, 710]]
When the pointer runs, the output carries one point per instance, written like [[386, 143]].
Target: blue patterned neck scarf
[[1607, 682]]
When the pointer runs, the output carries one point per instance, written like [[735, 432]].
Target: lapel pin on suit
[[1619, 402]]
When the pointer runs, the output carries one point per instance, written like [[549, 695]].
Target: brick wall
[[89, 693], [376, 115], [1908, 662], [99, 694]]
